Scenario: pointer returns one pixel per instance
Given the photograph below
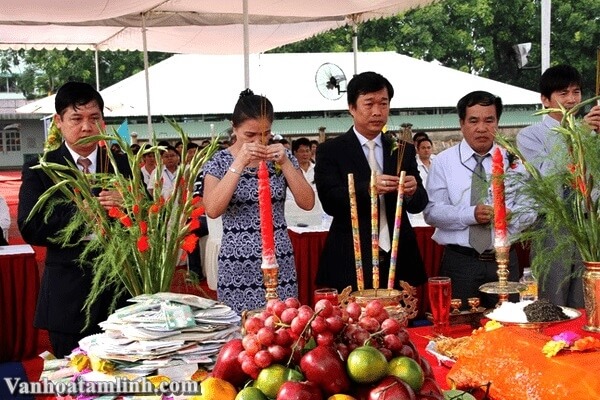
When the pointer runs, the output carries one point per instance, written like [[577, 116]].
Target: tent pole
[[246, 46], [355, 46], [545, 34], [147, 76], [96, 63]]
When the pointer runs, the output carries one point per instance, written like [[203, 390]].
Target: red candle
[[266, 215], [500, 231]]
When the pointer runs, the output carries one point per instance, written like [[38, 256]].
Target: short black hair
[[300, 142], [76, 94], [424, 139], [419, 135], [558, 78], [367, 82], [478, 97]]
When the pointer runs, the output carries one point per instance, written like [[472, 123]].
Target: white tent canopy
[[190, 84], [178, 26]]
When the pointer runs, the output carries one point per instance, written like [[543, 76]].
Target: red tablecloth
[[19, 280], [307, 250], [420, 337], [308, 247]]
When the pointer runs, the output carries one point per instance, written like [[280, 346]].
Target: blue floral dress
[[239, 282]]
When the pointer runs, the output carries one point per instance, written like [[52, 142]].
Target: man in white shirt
[[559, 86], [294, 215], [456, 216]]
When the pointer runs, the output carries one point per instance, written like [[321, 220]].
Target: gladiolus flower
[[143, 227], [189, 243], [143, 244], [196, 200], [126, 221], [586, 343], [115, 212], [197, 212], [568, 336], [135, 209], [194, 224]]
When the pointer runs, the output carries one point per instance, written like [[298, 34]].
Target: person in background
[[67, 279], [418, 136], [228, 185], [424, 156], [313, 149], [369, 95], [135, 148], [560, 85], [192, 148], [147, 169], [461, 213], [4, 221], [293, 213], [170, 160]]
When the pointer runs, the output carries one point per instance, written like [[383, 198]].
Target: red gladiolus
[[571, 168], [197, 212], [196, 200], [582, 186], [189, 243], [135, 209], [126, 221], [115, 212], [143, 227], [143, 244], [194, 224]]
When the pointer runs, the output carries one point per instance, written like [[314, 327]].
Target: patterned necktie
[[480, 236], [384, 233], [85, 164]]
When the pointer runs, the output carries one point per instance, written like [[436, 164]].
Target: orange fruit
[[217, 389], [341, 397], [408, 370], [366, 364]]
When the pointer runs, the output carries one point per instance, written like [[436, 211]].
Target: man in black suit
[[369, 95], [66, 280]]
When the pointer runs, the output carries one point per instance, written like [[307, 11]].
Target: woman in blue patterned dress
[[229, 187]]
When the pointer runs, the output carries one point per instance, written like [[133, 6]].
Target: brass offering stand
[[270, 270], [503, 287], [400, 304]]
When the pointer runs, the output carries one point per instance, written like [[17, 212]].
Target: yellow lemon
[[217, 389], [341, 397]]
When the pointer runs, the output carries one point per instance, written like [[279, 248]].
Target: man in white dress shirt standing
[[461, 214], [541, 145]]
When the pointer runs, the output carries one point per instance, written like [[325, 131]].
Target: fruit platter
[[291, 351]]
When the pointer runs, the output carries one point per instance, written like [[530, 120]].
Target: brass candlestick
[[503, 287], [270, 270]]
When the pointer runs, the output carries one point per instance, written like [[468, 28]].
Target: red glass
[[440, 297], [330, 294]]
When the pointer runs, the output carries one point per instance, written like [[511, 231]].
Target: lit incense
[[500, 231], [374, 229], [360, 283], [396, 235]]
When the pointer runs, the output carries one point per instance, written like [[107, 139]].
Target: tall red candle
[[266, 215], [500, 230]]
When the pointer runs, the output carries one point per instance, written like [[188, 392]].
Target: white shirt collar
[[92, 157]]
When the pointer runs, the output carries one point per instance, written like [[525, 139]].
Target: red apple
[[430, 386], [392, 388], [426, 367], [323, 366], [227, 366], [291, 390]]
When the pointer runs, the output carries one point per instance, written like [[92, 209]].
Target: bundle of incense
[[360, 283], [396, 236]]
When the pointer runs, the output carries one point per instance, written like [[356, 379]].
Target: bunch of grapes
[[280, 332]]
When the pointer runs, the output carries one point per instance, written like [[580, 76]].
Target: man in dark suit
[[369, 95], [66, 280]]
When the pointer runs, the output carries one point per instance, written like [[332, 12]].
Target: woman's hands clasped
[[255, 151]]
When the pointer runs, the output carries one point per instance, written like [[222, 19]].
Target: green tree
[[476, 36], [44, 71]]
